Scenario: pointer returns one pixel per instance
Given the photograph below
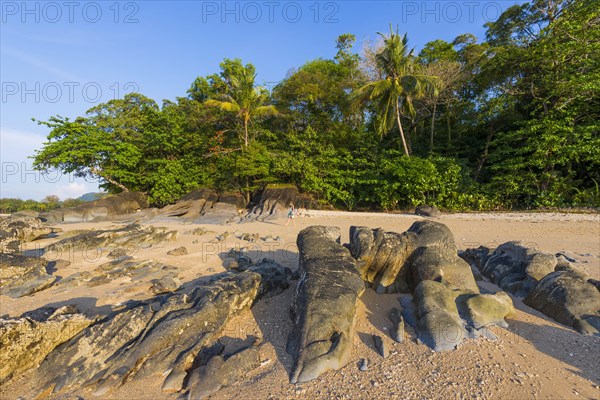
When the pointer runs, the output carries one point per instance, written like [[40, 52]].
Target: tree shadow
[[560, 342], [377, 309], [85, 305], [273, 318]]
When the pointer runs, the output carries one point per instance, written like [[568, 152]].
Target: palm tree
[[245, 100], [401, 84]]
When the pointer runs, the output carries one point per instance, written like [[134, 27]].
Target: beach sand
[[534, 357]]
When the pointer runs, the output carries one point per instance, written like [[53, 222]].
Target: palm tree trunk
[[401, 130], [432, 127], [246, 131]]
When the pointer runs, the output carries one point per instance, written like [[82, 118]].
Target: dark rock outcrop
[[16, 229], [129, 238], [220, 371], [127, 266], [161, 336], [569, 298], [324, 305], [428, 211], [27, 340], [179, 251], [516, 268], [23, 275], [394, 262], [439, 325], [192, 205], [98, 210], [275, 202]]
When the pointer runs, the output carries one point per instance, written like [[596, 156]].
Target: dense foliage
[[508, 122], [9, 205]]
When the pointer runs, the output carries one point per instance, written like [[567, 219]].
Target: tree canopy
[[510, 121]]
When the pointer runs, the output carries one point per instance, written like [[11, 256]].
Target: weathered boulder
[[226, 210], [489, 309], [221, 371], [476, 257], [569, 298], [275, 202], [16, 229], [516, 268], [439, 325], [192, 205], [129, 239], [27, 340], [397, 331], [99, 210], [179, 251], [23, 275], [324, 306], [443, 318], [159, 337], [394, 262], [428, 211], [127, 266]]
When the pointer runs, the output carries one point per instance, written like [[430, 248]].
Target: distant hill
[[91, 196]]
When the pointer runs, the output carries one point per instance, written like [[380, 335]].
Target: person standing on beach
[[291, 215]]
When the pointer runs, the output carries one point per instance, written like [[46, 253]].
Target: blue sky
[[66, 57]]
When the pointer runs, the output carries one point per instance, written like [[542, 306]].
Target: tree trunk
[[484, 155], [432, 127], [98, 172], [401, 130], [246, 131]]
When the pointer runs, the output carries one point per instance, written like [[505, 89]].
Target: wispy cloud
[[39, 63]]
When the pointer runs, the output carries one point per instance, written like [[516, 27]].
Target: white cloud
[[72, 190]]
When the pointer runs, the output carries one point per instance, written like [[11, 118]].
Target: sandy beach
[[534, 357]]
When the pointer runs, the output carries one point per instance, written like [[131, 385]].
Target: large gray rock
[[569, 298], [439, 325], [192, 205], [428, 211], [324, 306], [16, 229], [275, 202], [394, 262], [23, 275], [488, 309], [99, 210], [127, 266], [94, 243], [27, 340], [161, 337], [516, 268], [443, 318], [221, 371]]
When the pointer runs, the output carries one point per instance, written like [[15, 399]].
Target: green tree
[[401, 84], [246, 100]]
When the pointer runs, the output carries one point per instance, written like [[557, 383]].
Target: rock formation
[[129, 238], [428, 211], [324, 305], [275, 202], [98, 210], [27, 340], [16, 229], [513, 266], [159, 337], [23, 275], [549, 283], [394, 262], [569, 298]]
